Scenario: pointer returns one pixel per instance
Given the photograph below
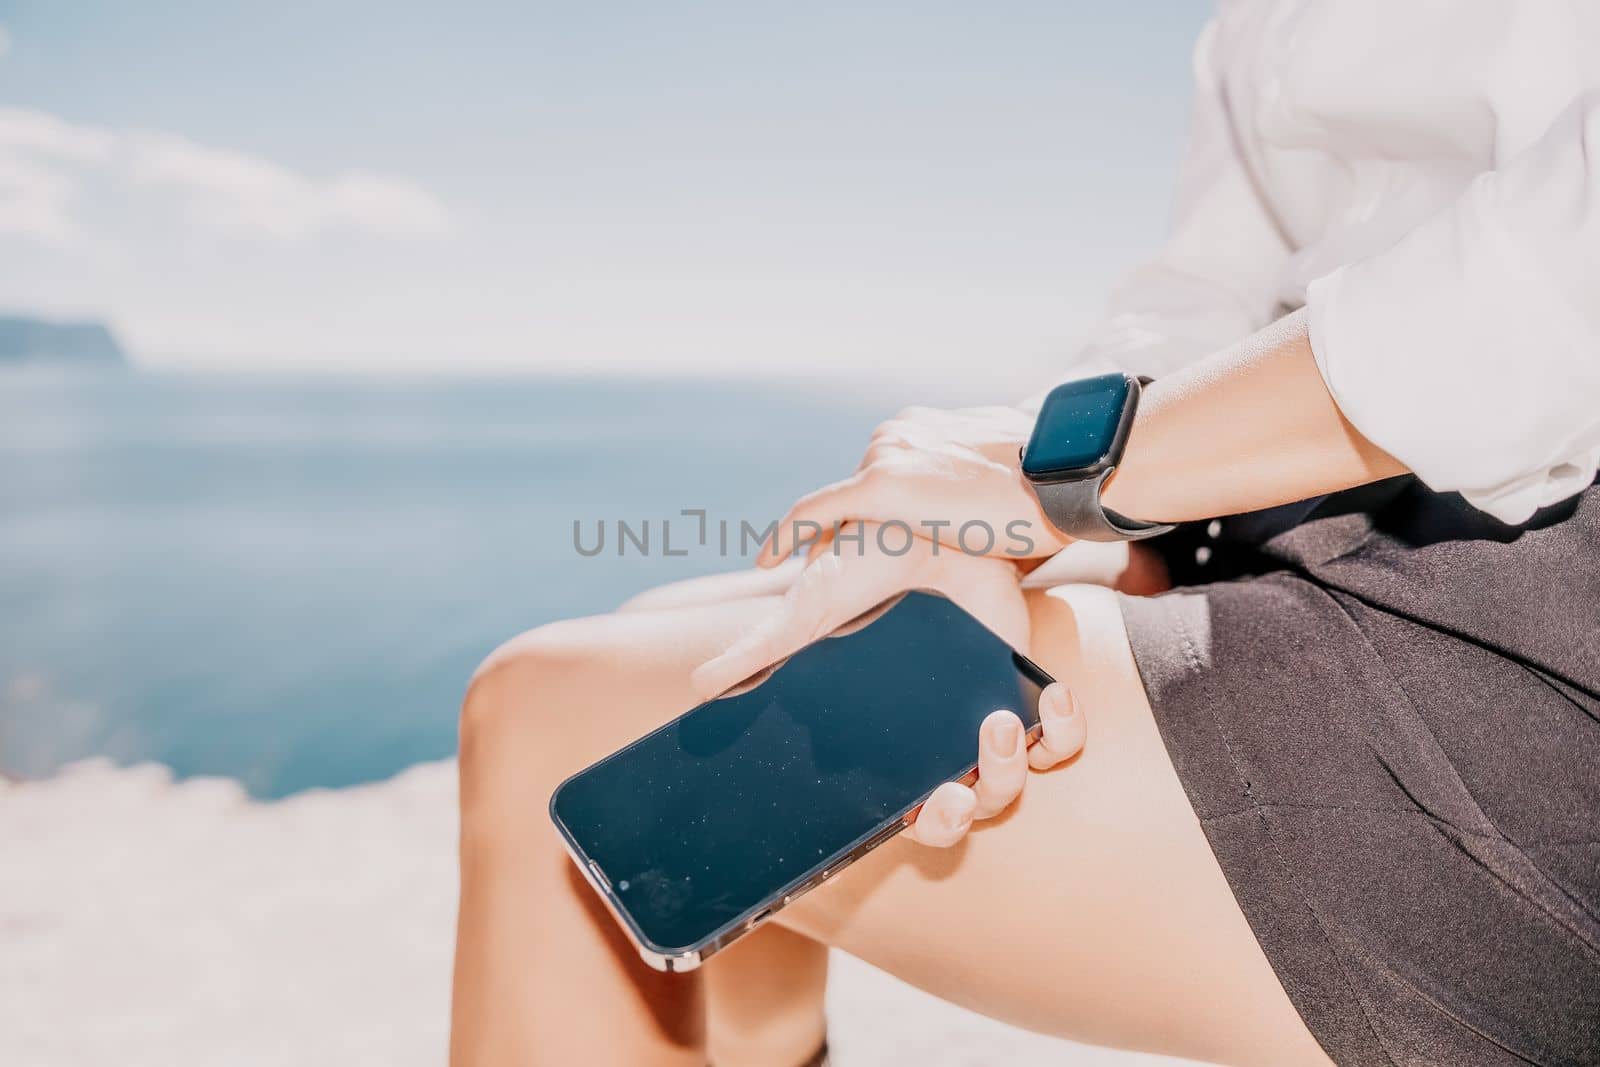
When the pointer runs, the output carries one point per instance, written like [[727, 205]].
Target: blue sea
[[289, 582]]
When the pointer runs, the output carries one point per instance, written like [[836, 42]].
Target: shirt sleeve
[[1214, 281], [1470, 350]]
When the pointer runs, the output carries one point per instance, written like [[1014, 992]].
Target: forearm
[[1250, 427]]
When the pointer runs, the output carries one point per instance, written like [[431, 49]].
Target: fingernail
[[1060, 704], [1007, 738]]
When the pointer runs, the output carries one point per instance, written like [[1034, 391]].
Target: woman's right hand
[[852, 576], [1003, 763], [852, 579]]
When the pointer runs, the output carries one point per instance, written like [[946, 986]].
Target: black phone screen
[[700, 823]]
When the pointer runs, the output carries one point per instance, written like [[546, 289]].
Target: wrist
[[1134, 489]]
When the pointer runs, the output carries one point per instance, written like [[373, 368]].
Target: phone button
[[600, 876]]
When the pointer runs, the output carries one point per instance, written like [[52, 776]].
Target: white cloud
[[36, 203], [41, 157], [44, 161], [386, 205], [36, 133], [238, 193]]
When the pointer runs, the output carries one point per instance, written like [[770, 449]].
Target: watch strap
[[1075, 509]]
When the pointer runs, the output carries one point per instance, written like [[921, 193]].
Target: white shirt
[[1425, 176]]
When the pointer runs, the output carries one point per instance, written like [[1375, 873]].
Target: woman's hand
[[860, 573], [854, 580], [1003, 762], [953, 477]]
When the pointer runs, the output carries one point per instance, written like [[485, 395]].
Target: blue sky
[[718, 188]]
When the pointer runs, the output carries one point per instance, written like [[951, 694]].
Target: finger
[[814, 515], [888, 431], [866, 619], [829, 592], [885, 438], [1063, 728], [876, 493], [755, 680], [899, 434], [1002, 763], [822, 544], [946, 816]]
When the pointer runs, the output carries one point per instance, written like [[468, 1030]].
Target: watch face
[[1077, 427]]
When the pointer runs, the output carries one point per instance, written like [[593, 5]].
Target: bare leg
[[542, 974], [1109, 951], [1094, 909], [764, 996]]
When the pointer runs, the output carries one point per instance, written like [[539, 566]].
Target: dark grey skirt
[[1385, 708]]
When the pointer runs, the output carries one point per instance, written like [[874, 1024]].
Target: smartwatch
[[1077, 443]]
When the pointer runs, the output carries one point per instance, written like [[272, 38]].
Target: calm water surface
[[288, 583]]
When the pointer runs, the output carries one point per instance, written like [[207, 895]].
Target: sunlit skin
[[1080, 899]]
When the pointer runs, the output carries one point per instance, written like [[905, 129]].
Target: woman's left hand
[[953, 477]]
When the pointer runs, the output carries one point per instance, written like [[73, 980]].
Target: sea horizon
[[288, 582]]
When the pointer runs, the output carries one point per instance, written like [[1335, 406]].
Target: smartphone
[[700, 831]]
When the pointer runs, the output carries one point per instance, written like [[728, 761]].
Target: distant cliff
[[25, 340]]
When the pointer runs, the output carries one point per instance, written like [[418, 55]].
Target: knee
[[494, 699], [508, 736]]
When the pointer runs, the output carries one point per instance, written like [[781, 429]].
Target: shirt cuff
[[1453, 356]]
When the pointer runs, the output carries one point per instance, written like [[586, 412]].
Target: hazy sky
[[921, 189]]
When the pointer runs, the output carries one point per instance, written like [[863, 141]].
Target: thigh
[[1094, 909]]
